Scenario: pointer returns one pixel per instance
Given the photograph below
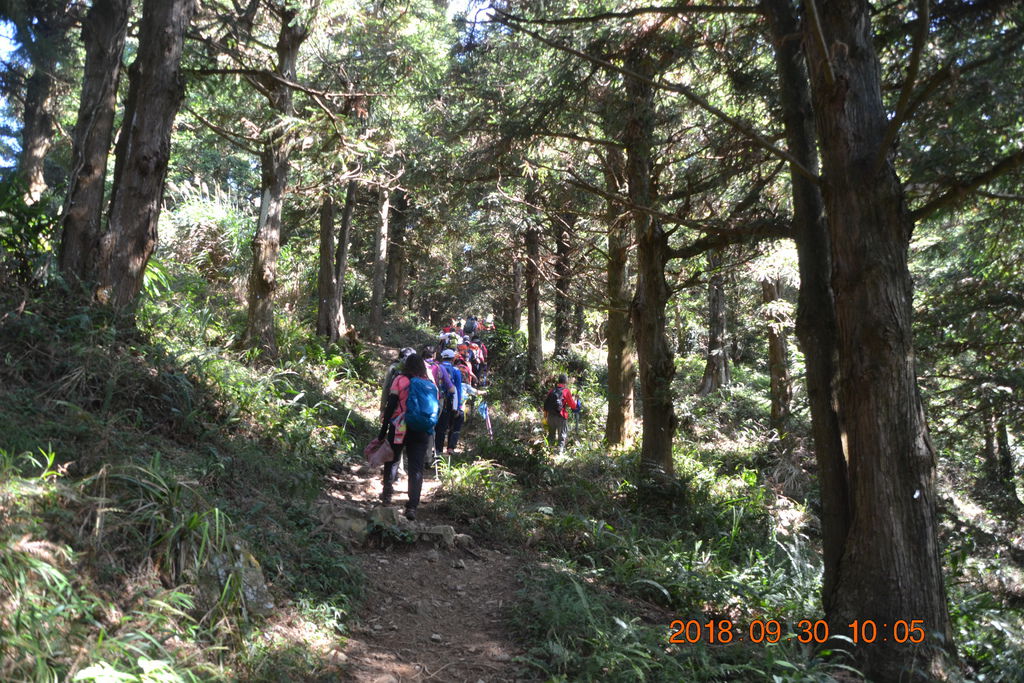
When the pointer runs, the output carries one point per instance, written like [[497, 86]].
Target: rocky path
[[435, 609]]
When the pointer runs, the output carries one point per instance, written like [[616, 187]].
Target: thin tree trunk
[[103, 34], [1005, 456], [891, 565], [778, 360], [562, 226], [621, 357], [657, 367], [275, 165], [716, 368], [37, 129], [341, 261], [327, 285], [515, 317], [380, 264], [534, 332], [816, 321], [155, 92], [396, 251]]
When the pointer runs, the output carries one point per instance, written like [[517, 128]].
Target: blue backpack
[[421, 408]]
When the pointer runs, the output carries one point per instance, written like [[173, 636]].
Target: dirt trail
[[429, 614]]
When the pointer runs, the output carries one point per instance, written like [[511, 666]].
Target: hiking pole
[[486, 414]]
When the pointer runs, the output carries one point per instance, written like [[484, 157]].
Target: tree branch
[[686, 92], [899, 116], [639, 11], [961, 189]]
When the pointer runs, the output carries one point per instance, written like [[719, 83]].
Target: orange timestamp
[[724, 631]]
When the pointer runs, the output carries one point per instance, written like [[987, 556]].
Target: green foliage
[[26, 237]]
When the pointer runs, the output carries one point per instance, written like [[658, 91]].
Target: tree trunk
[[326, 297], [778, 360], [716, 369], [275, 165], [37, 129], [380, 264], [562, 225], [515, 316], [45, 39], [1005, 457], [621, 358], [890, 567], [397, 262], [155, 92], [103, 34], [341, 261], [534, 332], [816, 322], [657, 367]]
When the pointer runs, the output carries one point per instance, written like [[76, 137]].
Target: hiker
[[389, 377], [449, 424], [470, 327], [481, 354], [556, 406], [404, 437]]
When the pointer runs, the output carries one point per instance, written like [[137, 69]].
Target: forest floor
[[428, 613]]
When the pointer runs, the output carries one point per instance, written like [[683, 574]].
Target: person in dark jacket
[[557, 405], [403, 438]]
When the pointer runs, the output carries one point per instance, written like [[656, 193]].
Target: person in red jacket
[[557, 405]]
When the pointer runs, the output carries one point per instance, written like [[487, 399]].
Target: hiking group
[[423, 400]]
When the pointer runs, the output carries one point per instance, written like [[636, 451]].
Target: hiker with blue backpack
[[408, 422], [449, 425]]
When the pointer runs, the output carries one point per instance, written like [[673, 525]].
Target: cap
[[447, 353], [406, 352]]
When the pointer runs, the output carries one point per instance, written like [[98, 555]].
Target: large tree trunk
[[781, 390], [562, 225], [275, 161], [155, 92], [657, 367], [621, 359], [816, 321], [103, 34], [890, 568], [380, 264], [716, 368], [534, 332]]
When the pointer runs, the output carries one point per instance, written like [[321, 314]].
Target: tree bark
[[716, 368], [103, 34], [890, 566], [380, 264], [534, 332], [816, 321], [778, 360], [155, 92], [275, 162], [657, 367], [561, 226], [621, 356]]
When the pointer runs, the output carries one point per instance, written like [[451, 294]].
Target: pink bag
[[378, 452]]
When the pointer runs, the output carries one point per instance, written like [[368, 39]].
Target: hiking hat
[[447, 354], [405, 353]]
